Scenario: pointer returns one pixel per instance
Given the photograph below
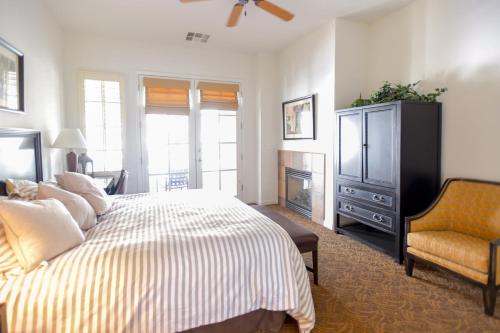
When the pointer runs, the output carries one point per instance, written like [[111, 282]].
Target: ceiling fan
[[263, 4]]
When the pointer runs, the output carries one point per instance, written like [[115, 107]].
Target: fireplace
[[299, 191]]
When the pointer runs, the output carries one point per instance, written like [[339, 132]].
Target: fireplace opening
[[299, 191]]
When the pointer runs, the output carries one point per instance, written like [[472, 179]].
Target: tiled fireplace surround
[[312, 162]]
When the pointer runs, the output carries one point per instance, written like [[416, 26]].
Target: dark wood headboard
[[20, 155]]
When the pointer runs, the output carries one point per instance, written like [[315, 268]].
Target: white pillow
[[78, 207], [84, 185], [21, 189], [38, 230], [8, 260]]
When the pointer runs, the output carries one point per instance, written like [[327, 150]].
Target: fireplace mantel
[[310, 162]]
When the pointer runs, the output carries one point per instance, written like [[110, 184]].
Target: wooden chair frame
[[490, 289]]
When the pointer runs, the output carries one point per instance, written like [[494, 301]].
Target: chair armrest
[[495, 242]]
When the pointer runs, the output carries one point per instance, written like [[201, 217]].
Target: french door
[[198, 150], [217, 151]]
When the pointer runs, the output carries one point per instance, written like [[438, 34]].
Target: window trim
[[103, 76]]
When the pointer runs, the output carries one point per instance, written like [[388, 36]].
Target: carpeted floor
[[362, 290]]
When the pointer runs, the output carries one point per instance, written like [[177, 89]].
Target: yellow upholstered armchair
[[460, 232]]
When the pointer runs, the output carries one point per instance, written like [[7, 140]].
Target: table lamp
[[70, 138]]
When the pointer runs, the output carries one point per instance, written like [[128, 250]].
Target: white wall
[[307, 67], [351, 61], [131, 58], [269, 127], [30, 27], [453, 44]]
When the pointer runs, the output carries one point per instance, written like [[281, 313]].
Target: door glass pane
[[209, 127], [228, 156], [178, 160], [211, 180], [229, 182], [167, 142], [158, 160], [228, 128], [210, 156]]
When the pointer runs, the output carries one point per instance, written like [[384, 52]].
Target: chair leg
[[315, 266], [409, 264], [490, 299]]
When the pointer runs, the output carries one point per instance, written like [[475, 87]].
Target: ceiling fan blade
[[274, 10], [235, 15]]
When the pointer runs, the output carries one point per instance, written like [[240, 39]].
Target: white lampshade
[[70, 138]]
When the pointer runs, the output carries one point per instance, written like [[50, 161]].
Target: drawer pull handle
[[378, 218], [349, 208], [378, 198], [349, 190]]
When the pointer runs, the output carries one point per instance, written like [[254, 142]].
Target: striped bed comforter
[[164, 263]]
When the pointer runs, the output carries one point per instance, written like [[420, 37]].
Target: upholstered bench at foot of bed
[[306, 240]]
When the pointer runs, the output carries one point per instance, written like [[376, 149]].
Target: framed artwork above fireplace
[[299, 118]]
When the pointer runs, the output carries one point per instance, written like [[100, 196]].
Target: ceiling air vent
[[197, 37]]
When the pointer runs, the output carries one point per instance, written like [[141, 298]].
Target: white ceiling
[[168, 21]]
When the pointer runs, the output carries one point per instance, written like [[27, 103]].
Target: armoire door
[[349, 153], [380, 146]]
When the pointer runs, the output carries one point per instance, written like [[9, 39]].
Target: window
[[102, 105]]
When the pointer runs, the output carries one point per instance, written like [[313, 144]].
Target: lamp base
[[71, 161]]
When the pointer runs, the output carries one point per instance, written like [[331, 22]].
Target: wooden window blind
[[167, 96], [218, 96]]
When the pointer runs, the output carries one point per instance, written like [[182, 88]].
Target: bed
[[170, 262]]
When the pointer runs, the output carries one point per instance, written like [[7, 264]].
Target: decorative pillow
[[21, 189], [8, 260], [38, 230], [78, 207], [84, 185]]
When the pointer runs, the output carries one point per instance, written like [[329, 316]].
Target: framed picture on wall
[[11, 78], [299, 120]]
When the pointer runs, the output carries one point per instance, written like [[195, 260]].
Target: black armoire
[[388, 166]]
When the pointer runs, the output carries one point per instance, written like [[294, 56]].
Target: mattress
[[166, 262]]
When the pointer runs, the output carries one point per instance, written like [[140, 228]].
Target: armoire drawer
[[384, 199], [378, 219]]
